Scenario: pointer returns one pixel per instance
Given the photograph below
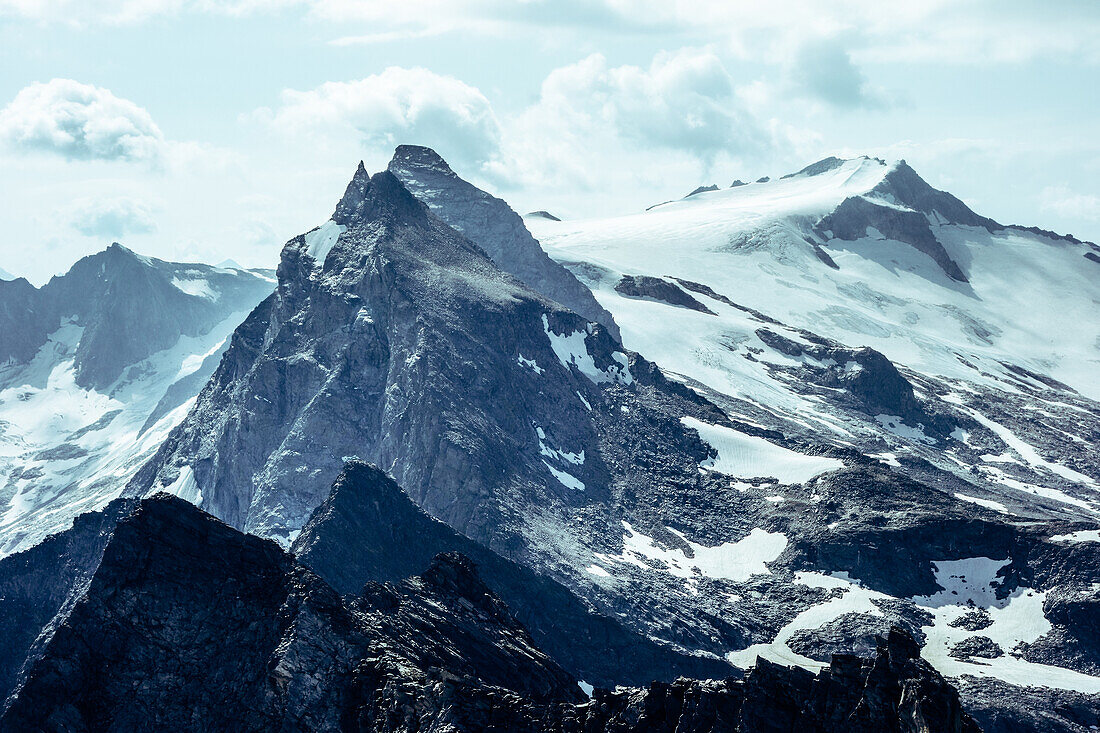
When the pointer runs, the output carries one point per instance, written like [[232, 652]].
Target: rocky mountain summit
[[495, 227]]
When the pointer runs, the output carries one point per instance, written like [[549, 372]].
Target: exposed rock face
[[407, 347], [495, 227], [354, 536], [24, 320], [857, 215], [645, 286], [189, 624], [92, 366], [703, 189], [902, 207], [872, 380]]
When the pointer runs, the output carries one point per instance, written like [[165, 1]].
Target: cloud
[[684, 100], [396, 106], [1068, 203], [130, 12], [683, 110], [823, 70], [112, 218], [79, 122]]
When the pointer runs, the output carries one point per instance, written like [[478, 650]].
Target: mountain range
[[748, 438]]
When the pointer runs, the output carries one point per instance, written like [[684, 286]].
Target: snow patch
[[185, 487], [987, 503], [530, 364], [567, 480], [1084, 535], [577, 459], [197, 287], [571, 350], [321, 240], [748, 456], [894, 424], [737, 561]]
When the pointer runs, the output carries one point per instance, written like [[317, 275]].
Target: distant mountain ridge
[[94, 364]]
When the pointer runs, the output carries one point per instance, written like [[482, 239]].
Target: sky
[[206, 130]]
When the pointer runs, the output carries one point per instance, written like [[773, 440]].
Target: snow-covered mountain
[[98, 365], [994, 326], [843, 406]]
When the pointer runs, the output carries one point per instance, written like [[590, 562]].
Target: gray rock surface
[[495, 227]]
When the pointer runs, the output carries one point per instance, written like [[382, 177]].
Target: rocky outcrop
[[645, 286], [369, 530], [189, 624], [542, 214], [872, 382], [857, 215], [495, 227]]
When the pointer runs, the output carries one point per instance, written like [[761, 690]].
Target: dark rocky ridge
[[189, 624], [495, 227], [369, 530], [38, 586]]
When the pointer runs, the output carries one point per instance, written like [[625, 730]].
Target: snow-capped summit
[[865, 252]]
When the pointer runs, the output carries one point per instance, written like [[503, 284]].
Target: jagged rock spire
[[353, 197]]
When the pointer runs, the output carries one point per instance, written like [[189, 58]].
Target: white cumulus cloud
[[1069, 203], [682, 110], [79, 122], [112, 218], [397, 105]]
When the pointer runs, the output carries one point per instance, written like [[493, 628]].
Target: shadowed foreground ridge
[[190, 624]]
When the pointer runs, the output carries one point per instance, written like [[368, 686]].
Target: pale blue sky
[[213, 129]]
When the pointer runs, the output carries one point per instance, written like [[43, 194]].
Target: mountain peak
[[353, 195], [411, 157], [830, 164], [370, 197]]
